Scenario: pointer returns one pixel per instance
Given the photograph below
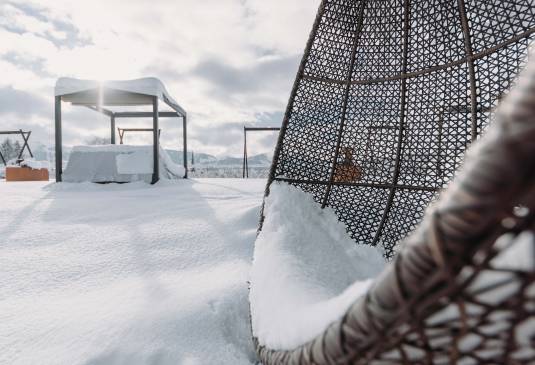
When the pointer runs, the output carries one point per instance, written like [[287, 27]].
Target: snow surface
[[138, 161], [127, 274], [117, 163], [306, 272], [148, 86], [34, 164]]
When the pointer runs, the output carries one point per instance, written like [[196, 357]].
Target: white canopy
[[114, 92]]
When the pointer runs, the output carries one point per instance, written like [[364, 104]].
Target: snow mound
[[306, 270], [33, 164], [117, 163]]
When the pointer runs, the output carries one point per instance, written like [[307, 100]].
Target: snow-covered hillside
[[127, 274]]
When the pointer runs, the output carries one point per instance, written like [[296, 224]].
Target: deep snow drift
[[306, 270], [127, 274]]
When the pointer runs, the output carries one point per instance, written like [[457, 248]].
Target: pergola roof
[[114, 92]]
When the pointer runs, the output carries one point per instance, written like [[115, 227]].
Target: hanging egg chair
[[388, 97]]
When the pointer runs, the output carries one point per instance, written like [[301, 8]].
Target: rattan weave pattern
[[407, 85], [448, 296]]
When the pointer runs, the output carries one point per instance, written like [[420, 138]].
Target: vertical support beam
[[58, 140], [112, 129], [155, 142], [402, 121], [347, 90], [471, 69], [185, 139], [439, 148], [244, 151], [289, 106], [246, 161]]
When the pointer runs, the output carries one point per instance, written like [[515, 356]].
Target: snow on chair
[[409, 85]]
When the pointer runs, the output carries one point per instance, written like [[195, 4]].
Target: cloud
[[265, 73], [13, 101], [30, 18], [228, 62]]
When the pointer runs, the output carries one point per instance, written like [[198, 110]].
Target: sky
[[227, 62]]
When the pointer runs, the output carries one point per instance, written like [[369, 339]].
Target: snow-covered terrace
[[127, 274]]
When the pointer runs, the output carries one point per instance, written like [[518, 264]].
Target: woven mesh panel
[[397, 90]]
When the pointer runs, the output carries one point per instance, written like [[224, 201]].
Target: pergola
[[131, 93]]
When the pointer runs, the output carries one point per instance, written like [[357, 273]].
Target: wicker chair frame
[[407, 86], [430, 305]]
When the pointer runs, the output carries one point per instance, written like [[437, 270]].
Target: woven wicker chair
[[408, 85]]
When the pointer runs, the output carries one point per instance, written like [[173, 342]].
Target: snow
[[137, 162], [306, 272], [117, 163], [158, 274], [147, 86], [33, 164], [127, 273]]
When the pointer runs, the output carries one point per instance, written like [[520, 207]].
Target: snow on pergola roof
[[114, 92]]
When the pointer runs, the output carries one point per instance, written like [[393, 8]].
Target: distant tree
[[16, 149], [8, 149], [97, 141], [192, 162]]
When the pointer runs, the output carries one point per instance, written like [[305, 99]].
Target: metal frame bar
[[471, 69], [58, 139], [25, 137], [402, 122], [155, 142], [409, 75], [185, 144], [245, 167], [122, 130], [155, 115], [146, 114], [340, 132]]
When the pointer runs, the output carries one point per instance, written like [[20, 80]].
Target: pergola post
[[58, 141], [185, 141], [112, 129], [155, 141], [245, 167]]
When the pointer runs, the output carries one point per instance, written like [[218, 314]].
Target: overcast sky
[[227, 62]]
